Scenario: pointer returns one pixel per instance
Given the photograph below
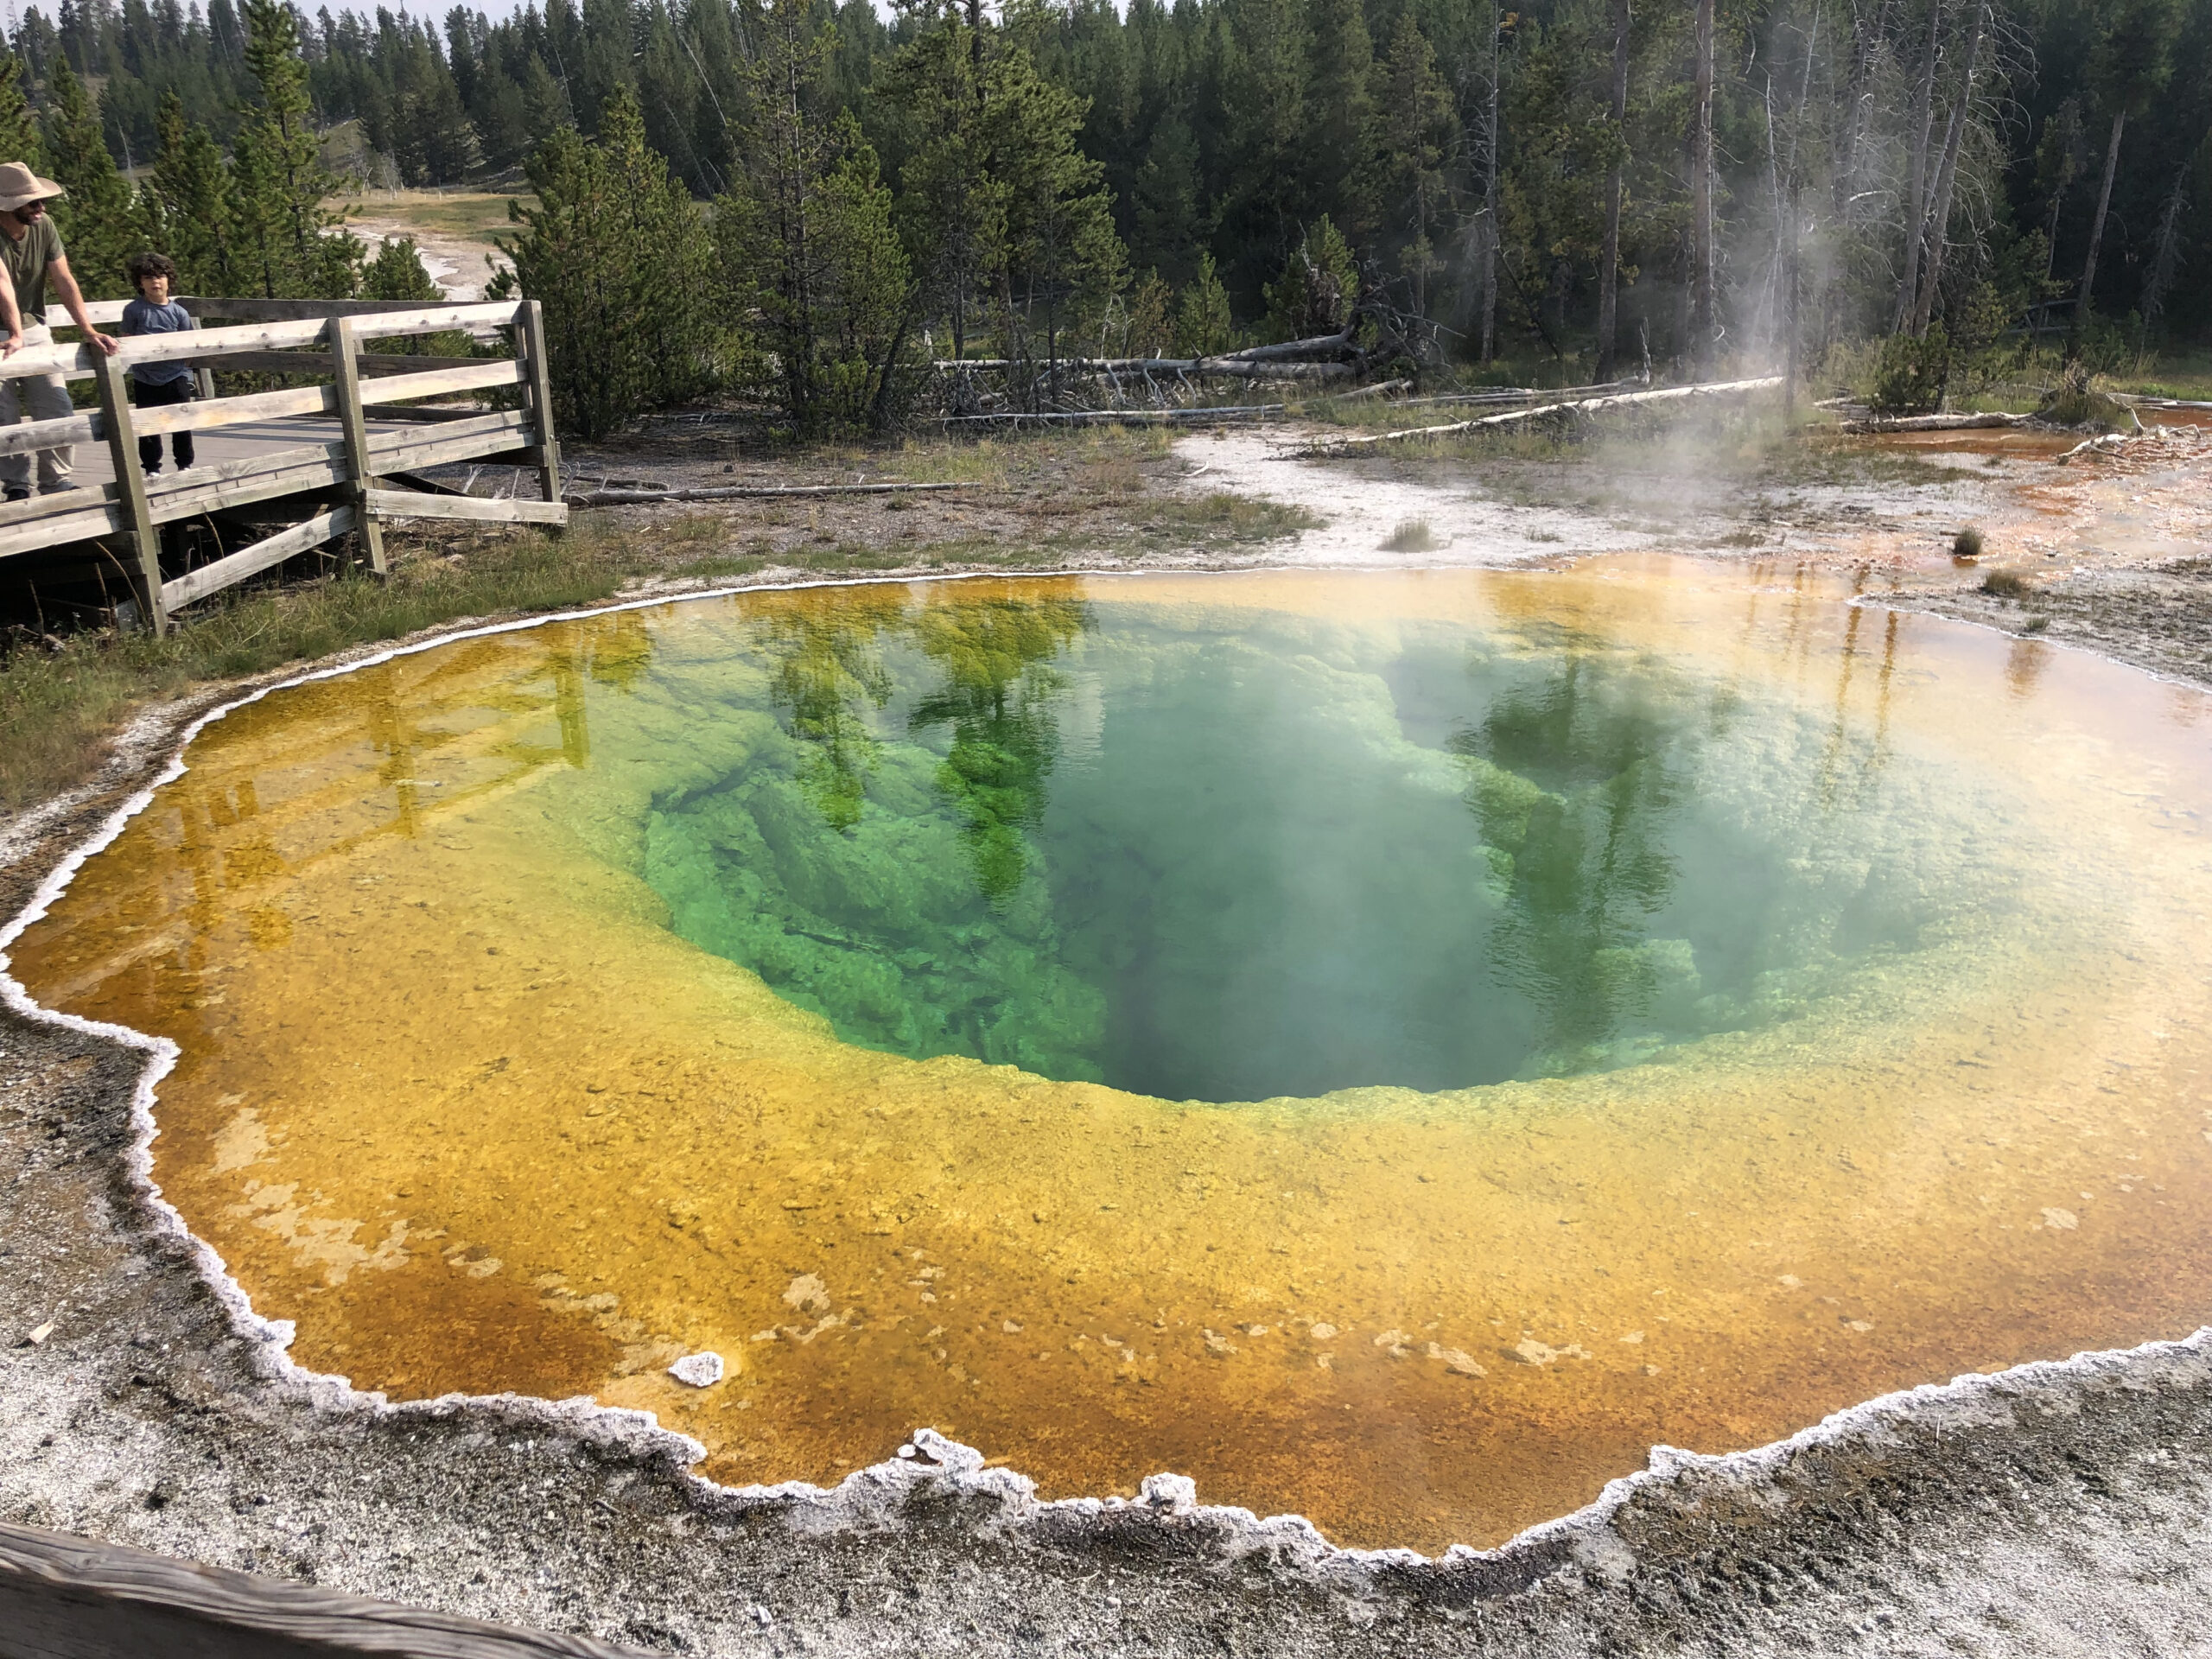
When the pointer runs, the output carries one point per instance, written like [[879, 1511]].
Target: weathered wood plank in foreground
[[65, 1598], [406, 504], [252, 561]]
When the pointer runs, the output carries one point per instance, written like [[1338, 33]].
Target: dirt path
[[453, 232]]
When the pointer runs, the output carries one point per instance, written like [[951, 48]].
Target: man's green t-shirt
[[27, 263]]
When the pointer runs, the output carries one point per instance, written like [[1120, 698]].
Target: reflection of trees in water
[[618, 649], [996, 697], [1581, 800], [829, 674]]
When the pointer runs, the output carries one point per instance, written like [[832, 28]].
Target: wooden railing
[[65, 1598], [337, 487]]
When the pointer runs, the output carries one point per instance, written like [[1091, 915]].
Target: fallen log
[[1523, 394], [2110, 442], [1937, 422], [1319, 346], [1230, 367], [1121, 416], [2136, 401], [1587, 406], [745, 491], [1237, 368], [1380, 389]]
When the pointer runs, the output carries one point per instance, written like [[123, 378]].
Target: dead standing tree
[[1610, 261], [1701, 250], [1929, 245]]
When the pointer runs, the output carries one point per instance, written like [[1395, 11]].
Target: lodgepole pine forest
[[811, 205]]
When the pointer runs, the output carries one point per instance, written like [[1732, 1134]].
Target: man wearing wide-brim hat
[[30, 249]]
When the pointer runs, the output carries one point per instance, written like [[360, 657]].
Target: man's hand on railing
[[13, 344], [107, 343]]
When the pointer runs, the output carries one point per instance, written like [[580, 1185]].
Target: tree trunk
[[1939, 217], [1610, 261], [2066, 113], [2096, 236], [1792, 213], [1490, 248], [1919, 125], [2160, 276], [1701, 197], [1790, 310], [1866, 36]]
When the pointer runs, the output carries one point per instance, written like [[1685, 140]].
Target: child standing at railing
[[155, 385]]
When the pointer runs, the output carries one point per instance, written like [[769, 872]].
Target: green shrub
[[1412, 536], [617, 254], [2077, 402], [1912, 373]]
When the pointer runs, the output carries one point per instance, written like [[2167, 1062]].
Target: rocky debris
[[1529, 1351], [701, 1370], [1457, 1360]]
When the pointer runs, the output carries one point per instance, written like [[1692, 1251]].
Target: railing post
[[131, 483], [203, 377], [345, 354], [541, 399]]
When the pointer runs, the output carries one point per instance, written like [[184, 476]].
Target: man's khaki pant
[[46, 397]]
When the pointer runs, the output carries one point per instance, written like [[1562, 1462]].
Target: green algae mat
[[1391, 1047]]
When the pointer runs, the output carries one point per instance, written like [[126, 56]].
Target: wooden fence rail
[[332, 488], [68, 1597]]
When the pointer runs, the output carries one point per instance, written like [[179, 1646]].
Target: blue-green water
[[1269, 857]]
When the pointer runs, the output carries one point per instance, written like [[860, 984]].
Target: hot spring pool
[[1390, 1047]]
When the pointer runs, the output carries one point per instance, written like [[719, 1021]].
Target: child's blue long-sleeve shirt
[[143, 317]]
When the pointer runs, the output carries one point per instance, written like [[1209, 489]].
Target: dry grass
[[454, 215]]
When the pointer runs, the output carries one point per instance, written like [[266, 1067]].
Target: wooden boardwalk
[[343, 479]]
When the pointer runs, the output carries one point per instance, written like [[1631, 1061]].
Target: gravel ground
[[2057, 1509]]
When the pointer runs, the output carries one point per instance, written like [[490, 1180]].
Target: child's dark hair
[[143, 265]]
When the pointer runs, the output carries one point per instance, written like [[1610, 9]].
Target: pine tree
[[1264, 134], [1319, 291], [1341, 109], [544, 103], [954, 209], [811, 232], [1203, 326], [1064, 259], [1415, 129], [1166, 213], [616, 251], [99, 219], [2135, 56], [20, 138], [397, 273], [285, 243], [188, 203]]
